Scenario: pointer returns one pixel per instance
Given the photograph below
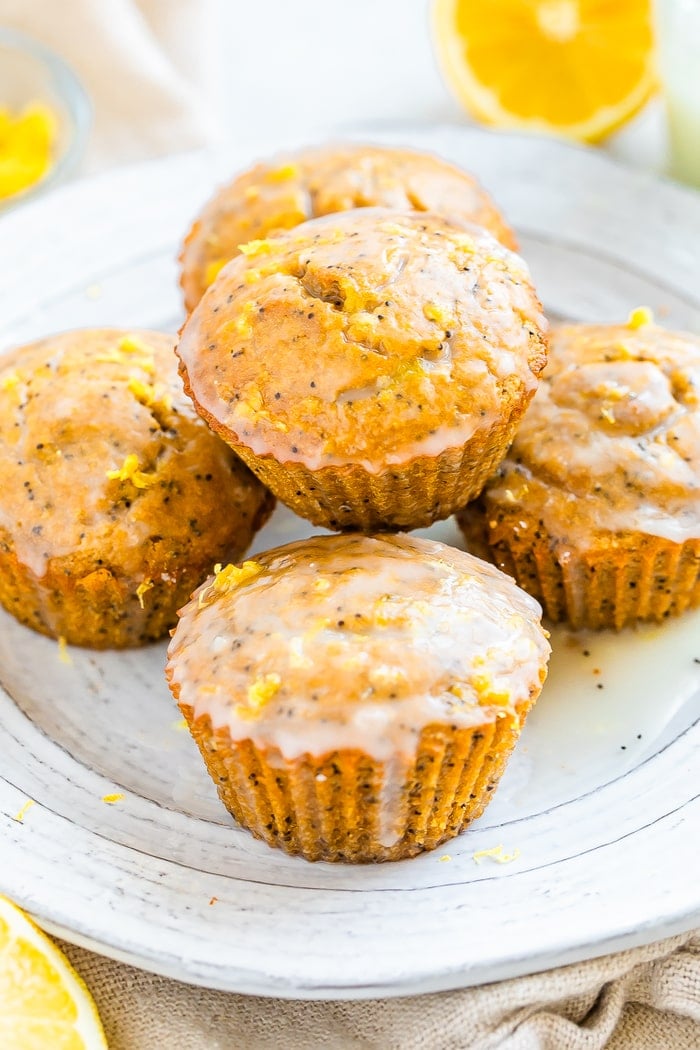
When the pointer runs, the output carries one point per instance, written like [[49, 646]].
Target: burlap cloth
[[644, 999]]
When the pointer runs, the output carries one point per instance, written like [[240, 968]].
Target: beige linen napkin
[[644, 999], [146, 64]]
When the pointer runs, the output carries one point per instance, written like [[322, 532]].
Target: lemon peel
[[142, 589], [496, 853], [19, 817], [130, 471], [45, 1002], [640, 317]]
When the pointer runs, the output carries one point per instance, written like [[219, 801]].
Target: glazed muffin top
[[369, 337], [612, 438], [356, 642], [101, 454], [286, 191]]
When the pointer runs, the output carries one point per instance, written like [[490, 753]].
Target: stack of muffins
[[364, 344]]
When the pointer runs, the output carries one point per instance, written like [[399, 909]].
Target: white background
[[302, 67]]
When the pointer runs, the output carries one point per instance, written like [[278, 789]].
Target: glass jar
[[678, 32]]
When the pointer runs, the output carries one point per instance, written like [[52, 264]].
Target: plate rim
[[245, 980]]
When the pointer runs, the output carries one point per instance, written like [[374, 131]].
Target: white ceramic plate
[[599, 798]]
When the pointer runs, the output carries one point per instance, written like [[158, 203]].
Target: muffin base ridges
[[335, 807], [404, 496], [621, 579]]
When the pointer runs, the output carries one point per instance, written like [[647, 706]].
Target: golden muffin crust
[[371, 341], [346, 665], [116, 499], [282, 193], [597, 507]]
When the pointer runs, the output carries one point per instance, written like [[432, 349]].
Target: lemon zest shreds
[[129, 471], [19, 817], [213, 270], [486, 694], [10, 381], [283, 173], [180, 724], [129, 351], [142, 589], [262, 690], [437, 313], [63, 655], [131, 344], [111, 799], [233, 576], [496, 853], [259, 247], [227, 578], [640, 317], [149, 394]]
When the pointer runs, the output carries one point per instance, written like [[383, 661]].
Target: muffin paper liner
[[349, 806], [97, 610], [622, 579], [404, 496]]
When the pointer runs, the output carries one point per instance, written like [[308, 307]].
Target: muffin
[[370, 367], [596, 510], [286, 191], [116, 499], [356, 698]]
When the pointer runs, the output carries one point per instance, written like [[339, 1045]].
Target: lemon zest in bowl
[[26, 147]]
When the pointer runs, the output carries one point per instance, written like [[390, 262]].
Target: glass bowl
[[30, 72]]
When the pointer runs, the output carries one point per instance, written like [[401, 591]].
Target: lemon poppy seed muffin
[[116, 499], [284, 192], [371, 366], [356, 698], [596, 510]]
